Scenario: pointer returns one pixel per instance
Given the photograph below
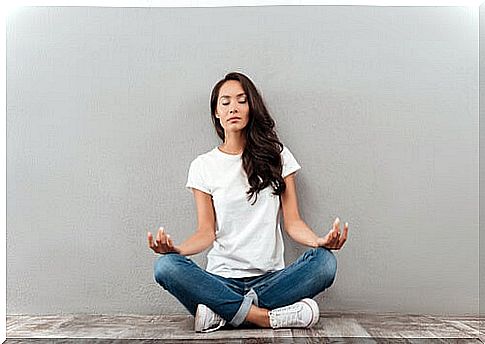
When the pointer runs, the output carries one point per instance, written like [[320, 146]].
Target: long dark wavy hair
[[261, 157]]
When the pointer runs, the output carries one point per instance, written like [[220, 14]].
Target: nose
[[233, 108]]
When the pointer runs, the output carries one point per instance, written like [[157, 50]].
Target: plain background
[[107, 107]]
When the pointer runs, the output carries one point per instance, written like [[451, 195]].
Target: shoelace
[[287, 315]]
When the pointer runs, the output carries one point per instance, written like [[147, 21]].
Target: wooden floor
[[331, 328]]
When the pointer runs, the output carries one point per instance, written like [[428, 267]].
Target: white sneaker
[[304, 313], [206, 320]]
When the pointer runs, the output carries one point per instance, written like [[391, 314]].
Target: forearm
[[196, 243], [301, 233]]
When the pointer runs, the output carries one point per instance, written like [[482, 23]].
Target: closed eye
[[238, 102]]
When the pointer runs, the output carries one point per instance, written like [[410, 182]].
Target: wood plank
[[348, 327]]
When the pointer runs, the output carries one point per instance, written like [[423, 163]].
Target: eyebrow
[[240, 94]]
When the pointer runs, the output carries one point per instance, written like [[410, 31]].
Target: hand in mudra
[[333, 240], [163, 244]]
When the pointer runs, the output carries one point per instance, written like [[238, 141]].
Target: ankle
[[265, 318], [258, 316]]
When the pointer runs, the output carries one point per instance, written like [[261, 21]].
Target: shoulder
[[203, 157], [286, 152]]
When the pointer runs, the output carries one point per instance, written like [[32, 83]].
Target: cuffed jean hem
[[250, 298]]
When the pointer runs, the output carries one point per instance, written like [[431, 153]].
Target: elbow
[[210, 241], [293, 225], [208, 235], [212, 238]]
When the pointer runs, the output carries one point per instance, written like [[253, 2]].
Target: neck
[[234, 143]]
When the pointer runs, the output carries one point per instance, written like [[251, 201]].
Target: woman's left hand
[[333, 240]]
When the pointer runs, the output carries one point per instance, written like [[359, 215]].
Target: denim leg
[[309, 275], [250, 297], [192, 285]]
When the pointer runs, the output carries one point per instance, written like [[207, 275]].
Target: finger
[[336, 240], [343, 238], [163, 237], [334, 237], [334, 233], [169, 241], [337, 224], [346, 230], [153, 245], [158, 238], [329, 238], [334, 229], [150, 240]]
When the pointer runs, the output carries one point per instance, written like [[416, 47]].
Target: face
[[232, 102]]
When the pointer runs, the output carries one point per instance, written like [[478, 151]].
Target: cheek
[[245, 110], [246, 114]]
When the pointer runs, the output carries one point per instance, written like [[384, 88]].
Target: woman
[[246, 281]]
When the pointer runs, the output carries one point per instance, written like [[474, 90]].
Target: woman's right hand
[[163, 244]]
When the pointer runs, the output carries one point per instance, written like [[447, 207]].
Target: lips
[[233, 118]]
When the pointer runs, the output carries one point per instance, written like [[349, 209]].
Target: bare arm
[[196, 243], [205, 234], [299, 231]]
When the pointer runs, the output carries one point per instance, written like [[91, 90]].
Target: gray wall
[[108, 106]]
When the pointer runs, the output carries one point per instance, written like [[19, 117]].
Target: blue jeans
[[231, 298]]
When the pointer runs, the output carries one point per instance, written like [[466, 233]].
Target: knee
[[327, 265], [166, 266]]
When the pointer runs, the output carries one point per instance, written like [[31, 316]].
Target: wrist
[[318, 242]]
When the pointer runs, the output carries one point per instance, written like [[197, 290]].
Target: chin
[[238, 127]]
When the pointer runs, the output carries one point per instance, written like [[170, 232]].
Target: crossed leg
[[309, 275], [192, 285]]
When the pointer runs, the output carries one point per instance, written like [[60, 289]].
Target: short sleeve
[[195, 177], [290, 164]]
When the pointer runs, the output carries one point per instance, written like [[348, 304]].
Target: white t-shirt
[[248, 240]]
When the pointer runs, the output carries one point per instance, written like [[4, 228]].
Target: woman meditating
[[239, 188]]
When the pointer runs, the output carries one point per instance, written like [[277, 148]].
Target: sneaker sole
[[315, 311]]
